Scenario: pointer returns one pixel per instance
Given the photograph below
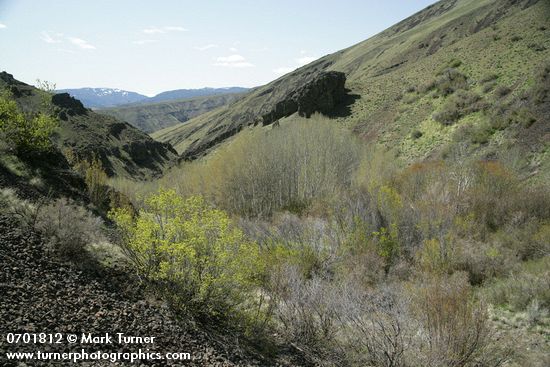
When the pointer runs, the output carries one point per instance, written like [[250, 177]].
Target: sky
[[158, 45]]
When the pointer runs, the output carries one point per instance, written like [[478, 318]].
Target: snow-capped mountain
[[103, 97], [112, 97]]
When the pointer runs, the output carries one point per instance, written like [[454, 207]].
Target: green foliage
[[457, 106], [25, 133], [449, 81], [96, 181], [94, 175], [387, 243], [200, 259]]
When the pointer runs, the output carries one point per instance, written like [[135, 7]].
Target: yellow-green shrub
[[24, 132], [200, 259]]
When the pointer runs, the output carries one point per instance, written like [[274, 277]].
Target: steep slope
[[123, 149], [460, 72], [150, 117], [41, 293], [103, 97]]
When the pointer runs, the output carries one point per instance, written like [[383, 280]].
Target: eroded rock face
[[70, 105], [320, 94]]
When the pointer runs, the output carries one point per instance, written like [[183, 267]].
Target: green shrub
[[449, 81], [456, 107], [199, 260], [24, 133]]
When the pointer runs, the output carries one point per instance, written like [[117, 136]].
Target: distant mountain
[[112, 97], [103, 97]]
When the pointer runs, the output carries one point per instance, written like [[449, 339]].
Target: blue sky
[[153, 46]]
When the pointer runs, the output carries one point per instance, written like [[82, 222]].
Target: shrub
[[25, 133], [197, 257], [11, 205], [481, 133], [94, 176], [459, 105], [306, 311], [376, 326], [96, 181], [68, 228], [502, 91], [454, 329], [523, 286], [450, 80]]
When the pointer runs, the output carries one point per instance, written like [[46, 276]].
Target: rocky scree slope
[[41, 294]]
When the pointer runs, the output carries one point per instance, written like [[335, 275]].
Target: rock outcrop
[[320, 94], [68, 105]]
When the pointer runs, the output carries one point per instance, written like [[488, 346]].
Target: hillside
[[103, 97], [123, 150], [177, 94], [150, 117], [457, 73]]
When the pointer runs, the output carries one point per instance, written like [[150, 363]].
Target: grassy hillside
[[151, 117], [122, 149], [455, 74]]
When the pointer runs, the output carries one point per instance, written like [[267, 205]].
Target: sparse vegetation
[[395, 233]]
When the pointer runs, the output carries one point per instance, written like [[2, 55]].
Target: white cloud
[[50, 37], [305, 60], [143, 42], [284, 70], [233, 49], [162, 30], [206, 47], [233, 61], [3, 26], [175, 29], [79, 42]]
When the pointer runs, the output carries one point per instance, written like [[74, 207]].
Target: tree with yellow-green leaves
[[193, 252], [24, 133]]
